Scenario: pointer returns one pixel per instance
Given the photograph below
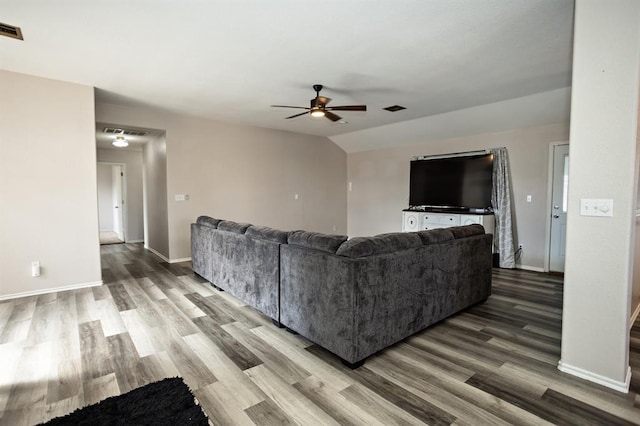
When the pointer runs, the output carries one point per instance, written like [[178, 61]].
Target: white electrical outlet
[[596, 207], [35, 268]]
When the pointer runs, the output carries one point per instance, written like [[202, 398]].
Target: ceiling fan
[[319, 107]]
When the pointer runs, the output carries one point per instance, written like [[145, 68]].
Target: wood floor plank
[[19, 322], [494, 363], [282, 366], [95, 358], [100, 388], [220, 405], [383, 410], [245, 392], [267, 413], [233, 349], [413, 378], [337, 406], [290, 401]]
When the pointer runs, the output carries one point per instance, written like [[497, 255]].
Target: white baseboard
[[157, 253], [50, 290], [166, 259], [135, 241], [597, 378], [529, 268]]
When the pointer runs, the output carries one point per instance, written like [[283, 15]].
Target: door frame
[[547, 228], [125, 206]]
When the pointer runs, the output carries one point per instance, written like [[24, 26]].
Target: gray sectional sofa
[[353, 297]]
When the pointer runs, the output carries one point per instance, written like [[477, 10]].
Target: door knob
[[555, 216], [115, 207], [556, 207]]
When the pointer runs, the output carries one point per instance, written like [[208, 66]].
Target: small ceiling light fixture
[[120, 142], [317, 113]]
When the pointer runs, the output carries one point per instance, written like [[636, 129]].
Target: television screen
[[462, 182]]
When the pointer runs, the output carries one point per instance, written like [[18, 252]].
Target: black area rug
[[168, 401]]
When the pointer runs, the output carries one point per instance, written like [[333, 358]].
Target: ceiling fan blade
[[348, 108], [288, 106], [297, 115], [323, 100], [331, 116]]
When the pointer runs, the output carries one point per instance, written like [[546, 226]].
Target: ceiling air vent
[[10, 31], [126, 132], [394, 108]]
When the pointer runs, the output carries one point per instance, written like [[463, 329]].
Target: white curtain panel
[[501, 201]]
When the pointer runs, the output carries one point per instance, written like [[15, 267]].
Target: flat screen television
[[459, 182]]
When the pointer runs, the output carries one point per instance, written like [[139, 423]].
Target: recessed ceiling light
[[394, 108]]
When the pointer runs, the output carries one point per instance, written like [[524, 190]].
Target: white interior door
[[559, 188], [118, 220]]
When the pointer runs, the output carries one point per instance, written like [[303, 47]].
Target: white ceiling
[[230, 60]]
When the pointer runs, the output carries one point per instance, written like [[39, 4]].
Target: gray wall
[[48, 185], [154, 159], [242, 173], [380, 183]]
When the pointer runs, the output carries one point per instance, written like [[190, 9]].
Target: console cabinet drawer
[[434, 221]]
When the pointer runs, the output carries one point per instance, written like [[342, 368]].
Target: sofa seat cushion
[[208, 221], [235, 227], [266, 233], [323, 242], [466, 231], [380, 244], [433, 236]]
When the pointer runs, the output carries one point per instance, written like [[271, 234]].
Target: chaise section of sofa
[[372, 292], [240, 258]]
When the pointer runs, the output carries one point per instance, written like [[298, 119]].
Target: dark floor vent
[[10, 31]]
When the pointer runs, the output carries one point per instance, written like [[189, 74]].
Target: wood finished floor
[[492, 364]]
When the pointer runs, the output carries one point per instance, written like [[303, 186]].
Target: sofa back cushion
[[317, 241], [380, 244], [466, 231], [433, 236], [266, 233], [208, 221], [230, 226]]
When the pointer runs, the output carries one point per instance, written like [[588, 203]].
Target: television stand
[[413, 220]]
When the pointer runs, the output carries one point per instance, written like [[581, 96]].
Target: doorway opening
[[111, 203], [559, 185]]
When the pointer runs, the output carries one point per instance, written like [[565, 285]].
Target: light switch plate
[[596, 207]]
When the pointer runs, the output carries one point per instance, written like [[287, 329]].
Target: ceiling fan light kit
[[318, 107], [120, 142]]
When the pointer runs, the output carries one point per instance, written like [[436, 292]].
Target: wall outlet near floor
[[35, 268], [520, 247]]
